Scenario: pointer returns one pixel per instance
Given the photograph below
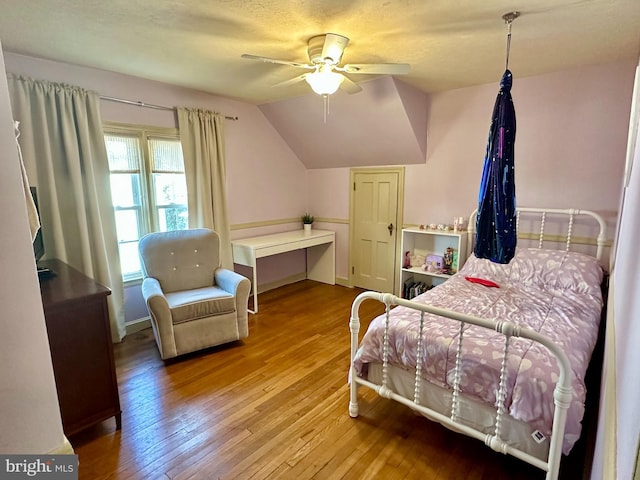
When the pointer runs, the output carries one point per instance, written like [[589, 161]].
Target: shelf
[[430, 231], [420, 271], [424, 242]]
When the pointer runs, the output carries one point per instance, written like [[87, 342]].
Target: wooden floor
[[274, 406]]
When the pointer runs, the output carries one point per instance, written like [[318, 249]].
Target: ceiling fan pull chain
[[326, 106]]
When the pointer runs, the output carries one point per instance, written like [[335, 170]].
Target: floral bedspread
[[555, 293]]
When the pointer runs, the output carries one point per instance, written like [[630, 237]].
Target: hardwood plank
[[274, 405]]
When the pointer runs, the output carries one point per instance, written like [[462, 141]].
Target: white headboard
[[540, 217]]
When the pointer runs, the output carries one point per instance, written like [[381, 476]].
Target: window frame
[[148, 220]]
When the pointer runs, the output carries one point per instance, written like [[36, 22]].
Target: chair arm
[[160, 314], [240, 287], [230, 281]]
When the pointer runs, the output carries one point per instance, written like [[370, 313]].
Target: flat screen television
[[38, 244]]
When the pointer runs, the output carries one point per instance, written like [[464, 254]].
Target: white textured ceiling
[[197, 44]]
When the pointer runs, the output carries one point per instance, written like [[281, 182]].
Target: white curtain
[[202, 138], [65, 156], [32, 211]]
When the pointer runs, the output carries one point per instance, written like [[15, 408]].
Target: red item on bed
[[482, 281]]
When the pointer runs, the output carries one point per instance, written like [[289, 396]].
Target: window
[[148, 187]]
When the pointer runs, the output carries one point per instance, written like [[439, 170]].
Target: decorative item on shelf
[[458, 224], [417, 260], [407, 260], [433, 264], [447, 261], [307, 221]]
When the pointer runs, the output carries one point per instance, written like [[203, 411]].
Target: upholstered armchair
[[192, 301]]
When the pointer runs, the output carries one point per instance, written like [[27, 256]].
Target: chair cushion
[[198, 303]]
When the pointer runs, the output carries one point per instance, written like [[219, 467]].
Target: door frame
[[400, 217]]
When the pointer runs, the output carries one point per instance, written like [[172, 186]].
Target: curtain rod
[[148, 105]]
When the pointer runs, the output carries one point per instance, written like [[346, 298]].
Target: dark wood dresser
[[77, 318]]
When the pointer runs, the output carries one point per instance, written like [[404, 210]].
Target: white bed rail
[[562, 394]]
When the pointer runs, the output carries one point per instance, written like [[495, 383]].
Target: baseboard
[[144, 323], [265, 287], [64, 449], [137, 325]]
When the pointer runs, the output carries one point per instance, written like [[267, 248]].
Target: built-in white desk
[[319, 244]]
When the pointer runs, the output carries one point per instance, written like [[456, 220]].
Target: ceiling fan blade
[[292, 81], [275, 60], [350, 86], [334, 46], [377, 68]]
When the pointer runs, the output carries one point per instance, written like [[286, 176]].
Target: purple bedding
[[555, 293]]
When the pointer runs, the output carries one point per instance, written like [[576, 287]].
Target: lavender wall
[[260, 164], [570, 143], [266, 183], [387, 118], [570, 149]]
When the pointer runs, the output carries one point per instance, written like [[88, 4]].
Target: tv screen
[[38, 244]]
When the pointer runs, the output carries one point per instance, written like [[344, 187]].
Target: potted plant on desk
[[307, 221]]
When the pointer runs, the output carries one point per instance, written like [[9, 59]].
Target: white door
[[374, 229]]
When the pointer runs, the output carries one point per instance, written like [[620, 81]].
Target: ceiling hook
[[508, 20], [510, 17]]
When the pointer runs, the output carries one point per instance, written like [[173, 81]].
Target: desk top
[[283, 238]]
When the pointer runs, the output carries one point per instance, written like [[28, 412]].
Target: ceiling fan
[[325, 53]]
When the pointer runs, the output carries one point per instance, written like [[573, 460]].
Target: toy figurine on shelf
[[448, 261], [407, 259]]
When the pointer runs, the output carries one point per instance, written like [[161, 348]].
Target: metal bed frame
[[563, 389]]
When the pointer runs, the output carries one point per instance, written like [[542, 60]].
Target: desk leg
[[321, 263], [254, 287]]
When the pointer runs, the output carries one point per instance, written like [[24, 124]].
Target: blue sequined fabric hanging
[[496, 234]]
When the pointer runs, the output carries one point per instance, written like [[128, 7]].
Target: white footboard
[[562, 392]]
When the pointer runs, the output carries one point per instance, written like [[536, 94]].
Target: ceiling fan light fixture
[[324, 81]]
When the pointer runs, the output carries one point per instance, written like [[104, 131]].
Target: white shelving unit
[[426, 242]]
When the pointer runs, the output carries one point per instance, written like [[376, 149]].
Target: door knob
[[390, 228]]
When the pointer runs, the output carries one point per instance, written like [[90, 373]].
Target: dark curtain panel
[[496, 234]]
